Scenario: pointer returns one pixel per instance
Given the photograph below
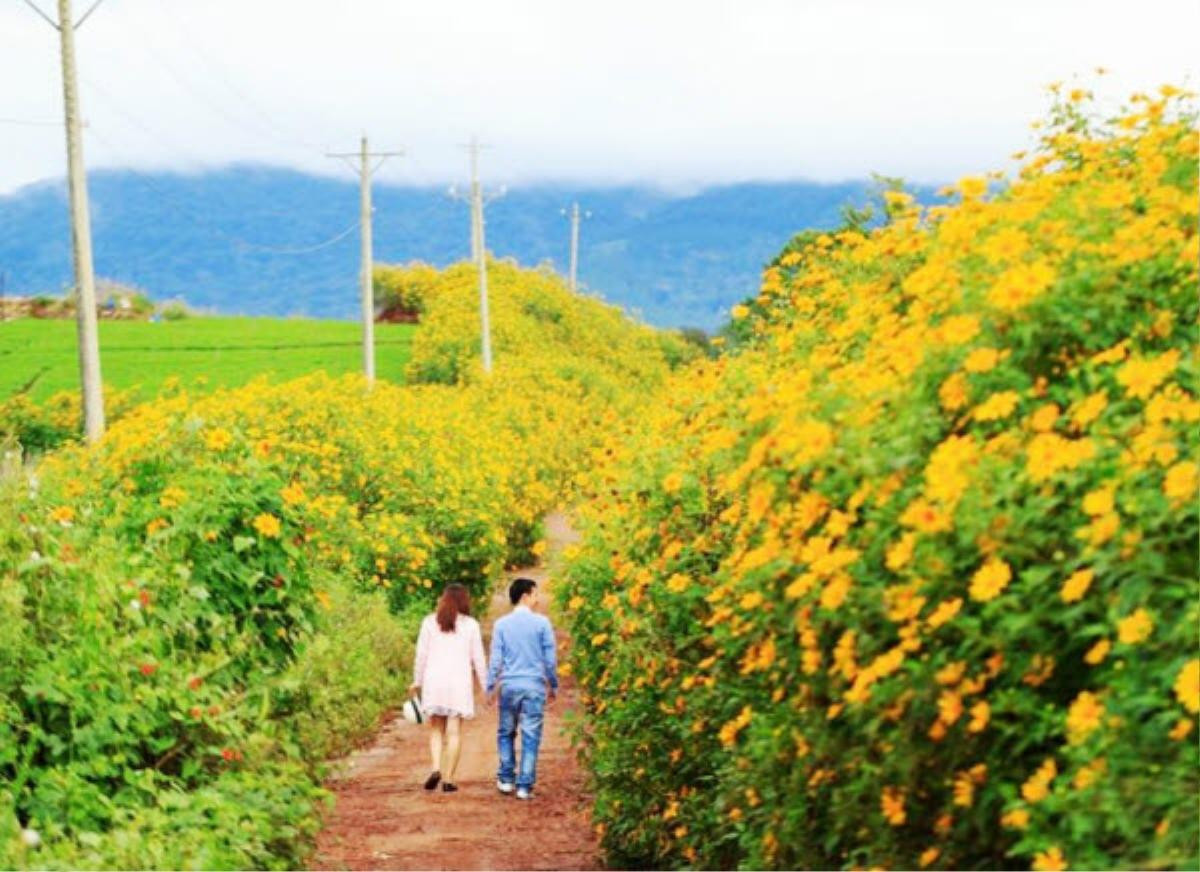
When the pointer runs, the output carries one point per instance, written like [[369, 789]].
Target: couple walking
[[522, 670]]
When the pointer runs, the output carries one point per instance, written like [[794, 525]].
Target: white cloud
[[657, 90]]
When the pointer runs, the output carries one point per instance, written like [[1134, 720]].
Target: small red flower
[[277, 581], [144, 596], [197, 712], [148, 668], [194, 682], [214, 710], [228, 754]]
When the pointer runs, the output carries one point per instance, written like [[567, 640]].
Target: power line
[[88, 14], [193, 161], [216, 107], [260, 114], [307, 249], [44, 16], [78, 24], [172, 202], [22, 122]]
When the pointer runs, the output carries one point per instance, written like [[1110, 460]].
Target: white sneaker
[[505, 788], [524, 793]]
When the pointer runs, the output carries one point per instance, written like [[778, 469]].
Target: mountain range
[[248, 239]]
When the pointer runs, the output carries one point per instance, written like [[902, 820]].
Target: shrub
[[911, 579], [196, 612], [174, 310]]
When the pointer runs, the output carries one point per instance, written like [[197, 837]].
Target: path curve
[[382, 818]]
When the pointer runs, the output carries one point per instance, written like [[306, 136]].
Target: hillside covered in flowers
[[908, 578], [223, 594]]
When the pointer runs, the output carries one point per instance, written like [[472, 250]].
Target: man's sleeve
[[497, 657], [550, 655]]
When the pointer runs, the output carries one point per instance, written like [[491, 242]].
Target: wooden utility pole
[[366, 278]]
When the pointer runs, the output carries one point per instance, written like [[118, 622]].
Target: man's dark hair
[[519, 588]]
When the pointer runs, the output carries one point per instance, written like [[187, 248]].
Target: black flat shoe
[[447, 787], [432, 781]]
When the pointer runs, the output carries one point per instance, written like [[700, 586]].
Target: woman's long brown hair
[[455, 601]]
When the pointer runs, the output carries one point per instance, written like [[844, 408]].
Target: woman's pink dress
[[443, 667]]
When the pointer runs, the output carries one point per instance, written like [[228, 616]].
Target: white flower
[[31, 838], [35, 556], [135, 604]]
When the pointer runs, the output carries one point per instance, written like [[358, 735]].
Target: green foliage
[[174, 311], [404, 290], [201, 609]]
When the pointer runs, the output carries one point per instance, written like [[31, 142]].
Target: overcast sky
[[673, 92]]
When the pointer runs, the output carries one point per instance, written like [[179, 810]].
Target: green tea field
[[223, 352]]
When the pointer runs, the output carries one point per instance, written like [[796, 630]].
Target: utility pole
[[366, 278], [479, 249], [88, 341], [575, 218], [476, 198]]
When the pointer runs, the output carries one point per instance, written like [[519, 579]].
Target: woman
[[449, 646]]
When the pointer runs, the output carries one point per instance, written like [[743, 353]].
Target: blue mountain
[[244, 239]]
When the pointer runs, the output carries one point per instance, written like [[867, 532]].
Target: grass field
[[40, 354]]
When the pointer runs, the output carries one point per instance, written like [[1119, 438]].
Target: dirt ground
[[383, 819]]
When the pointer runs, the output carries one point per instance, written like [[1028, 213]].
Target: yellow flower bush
[[937, 511], [194, 613]]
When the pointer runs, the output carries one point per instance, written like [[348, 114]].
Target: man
[[524, 663]]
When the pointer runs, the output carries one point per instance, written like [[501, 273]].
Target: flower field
[[908, 578], [197, 613]]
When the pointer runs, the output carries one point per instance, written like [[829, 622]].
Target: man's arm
[[549, 656], [496, 661]]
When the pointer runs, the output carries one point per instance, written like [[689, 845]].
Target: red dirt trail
[[383, 819]]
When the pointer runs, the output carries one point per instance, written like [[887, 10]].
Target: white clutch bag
[[411, 711]]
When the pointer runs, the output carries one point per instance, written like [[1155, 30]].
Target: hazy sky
[[675, 93]]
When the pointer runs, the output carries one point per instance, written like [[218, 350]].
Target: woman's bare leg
[[437, 727], [453, 746]]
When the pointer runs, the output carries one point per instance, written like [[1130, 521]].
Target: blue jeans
[[524, 705]]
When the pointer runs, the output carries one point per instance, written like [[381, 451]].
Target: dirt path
[[384, 820]]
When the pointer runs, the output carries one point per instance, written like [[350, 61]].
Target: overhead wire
[[197, 93], [172, 202], [39, 11], [167, 198], [261, 116]]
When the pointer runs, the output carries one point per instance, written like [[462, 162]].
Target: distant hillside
[[678, 260]]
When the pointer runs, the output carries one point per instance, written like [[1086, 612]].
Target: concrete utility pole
[[81, 228], [479, 250], [366, 279], [476, 198], [575, 218]]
